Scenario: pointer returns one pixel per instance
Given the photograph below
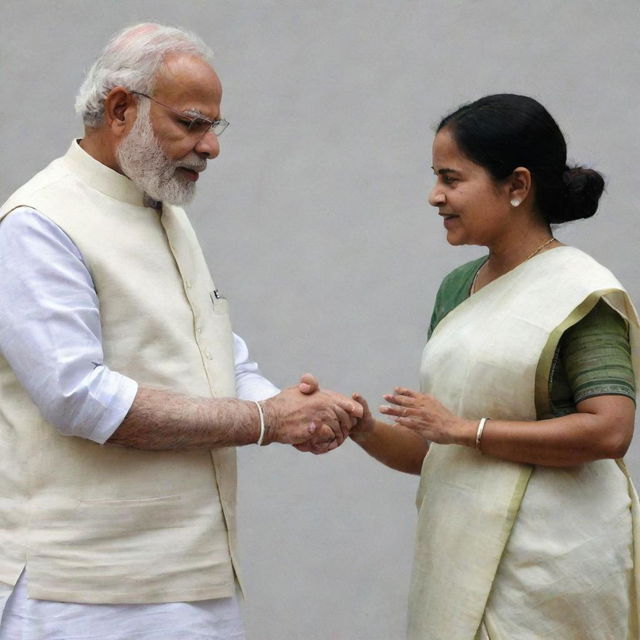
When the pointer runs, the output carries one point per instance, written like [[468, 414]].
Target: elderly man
[[119, 374]]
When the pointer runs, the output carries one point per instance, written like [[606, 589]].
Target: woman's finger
[[404, 401], [410, 422], [362, 402], [404, 391], [399, 412], [390, 411]]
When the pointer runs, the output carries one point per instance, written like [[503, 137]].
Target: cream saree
[[506, 551]]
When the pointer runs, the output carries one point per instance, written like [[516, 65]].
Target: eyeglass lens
[[200, 126]]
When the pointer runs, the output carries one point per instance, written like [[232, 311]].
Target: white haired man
[[123, 390]]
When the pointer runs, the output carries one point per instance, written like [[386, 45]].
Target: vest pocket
[[219, 303]]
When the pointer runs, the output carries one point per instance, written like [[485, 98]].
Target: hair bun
[[583, 190]]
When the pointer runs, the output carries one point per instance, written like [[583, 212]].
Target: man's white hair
[[131, 59]]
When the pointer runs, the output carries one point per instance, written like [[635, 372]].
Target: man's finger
[[308, 384], [316, 449], [328, 429], [344, 419]]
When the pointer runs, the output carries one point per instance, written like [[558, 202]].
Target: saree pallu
[[498, 540]]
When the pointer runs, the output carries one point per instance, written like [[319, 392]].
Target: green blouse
[[593, 356]]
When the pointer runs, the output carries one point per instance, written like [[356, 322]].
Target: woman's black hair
[[504, 131]]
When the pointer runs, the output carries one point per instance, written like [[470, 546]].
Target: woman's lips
[[449, 220]]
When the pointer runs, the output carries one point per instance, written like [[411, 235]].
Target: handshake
[[310, 418]]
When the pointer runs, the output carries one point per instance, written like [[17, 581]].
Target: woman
[[526, 513]]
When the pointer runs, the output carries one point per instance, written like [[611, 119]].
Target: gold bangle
[[479, 432]]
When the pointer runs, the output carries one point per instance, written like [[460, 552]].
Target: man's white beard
[[143, 161]]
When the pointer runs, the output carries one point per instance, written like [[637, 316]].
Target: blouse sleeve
[[453, 290], [595, 356]]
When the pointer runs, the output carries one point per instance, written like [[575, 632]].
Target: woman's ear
[[519, 186]]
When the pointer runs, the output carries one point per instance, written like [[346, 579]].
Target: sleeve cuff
[[116, 411]]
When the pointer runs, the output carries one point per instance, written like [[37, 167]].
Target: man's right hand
[[315, 417]]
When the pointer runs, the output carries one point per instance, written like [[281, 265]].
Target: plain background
[[315, 223]]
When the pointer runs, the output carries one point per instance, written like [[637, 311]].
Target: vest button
[[208, 354]]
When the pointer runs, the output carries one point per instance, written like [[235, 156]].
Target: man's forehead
[[185, 78]]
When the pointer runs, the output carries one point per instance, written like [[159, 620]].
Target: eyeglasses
[[198, 125]]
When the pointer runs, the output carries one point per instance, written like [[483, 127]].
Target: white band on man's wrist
[[262, 425]]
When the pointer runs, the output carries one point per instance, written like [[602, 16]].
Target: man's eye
[[198, 125]]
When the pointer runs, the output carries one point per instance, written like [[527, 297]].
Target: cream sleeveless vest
[[108, 524], [491, 356]]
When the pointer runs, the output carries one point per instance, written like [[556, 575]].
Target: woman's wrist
[[465, 432], [361, 432]]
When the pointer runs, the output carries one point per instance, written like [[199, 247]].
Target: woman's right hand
[[364, 426]]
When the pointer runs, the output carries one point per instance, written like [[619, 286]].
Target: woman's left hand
[[429, 418]]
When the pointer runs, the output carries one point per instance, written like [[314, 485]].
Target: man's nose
[[208, 145]]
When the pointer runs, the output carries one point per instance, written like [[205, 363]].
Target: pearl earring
[[515, 202]]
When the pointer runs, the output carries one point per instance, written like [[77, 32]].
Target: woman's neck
[[505, 256], [507, 253]]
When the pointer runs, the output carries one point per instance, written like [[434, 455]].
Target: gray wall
[[315, 223]]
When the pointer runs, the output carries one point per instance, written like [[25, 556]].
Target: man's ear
[[520, 184], [120, 110]]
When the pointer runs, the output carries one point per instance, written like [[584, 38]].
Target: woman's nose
[[436, 197]]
